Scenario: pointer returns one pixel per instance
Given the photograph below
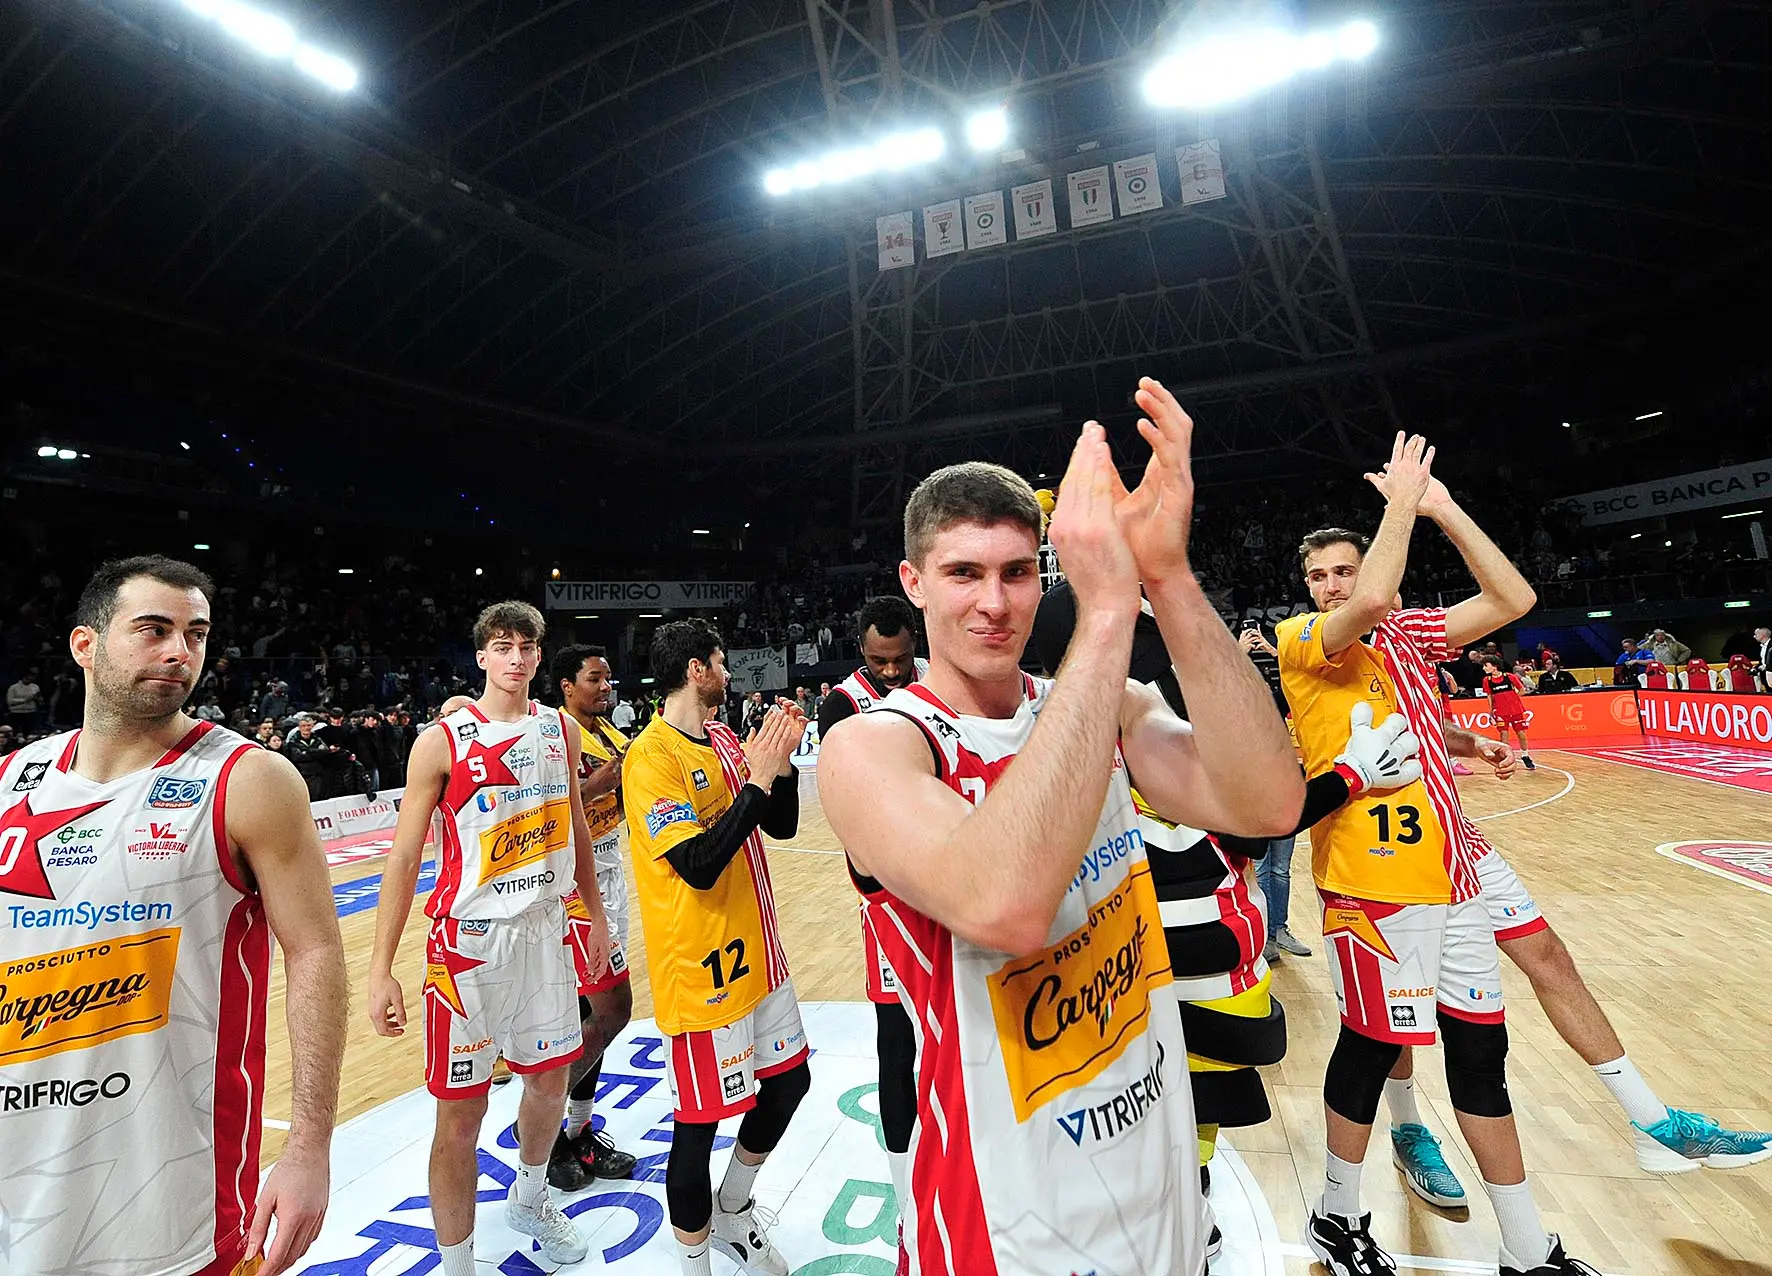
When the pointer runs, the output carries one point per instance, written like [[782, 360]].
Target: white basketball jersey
[[134, 968], [1057, 1127], [864, 692], [507, 815]]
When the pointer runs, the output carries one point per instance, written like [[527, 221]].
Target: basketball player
[[498, 978], [1506, 709], [889, 661], [606, 1003], [147, 861], [697, 807], [1007, 875]]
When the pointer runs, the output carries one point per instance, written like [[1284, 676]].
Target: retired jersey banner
[[758, 668], [1744, 721], [1701, 489], [1034, 214], [644, 595], [1089, 197], [1202, 171], [1575, 720], [941, 229], [1136, 181], [898, 248], [985, 224]]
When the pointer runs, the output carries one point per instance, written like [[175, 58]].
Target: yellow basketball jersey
[[711, 955], [1390, 847], [600, 747]]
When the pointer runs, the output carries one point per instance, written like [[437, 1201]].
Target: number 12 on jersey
[[724, 975]]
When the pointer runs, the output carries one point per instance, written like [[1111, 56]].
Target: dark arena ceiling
[[549, 214]]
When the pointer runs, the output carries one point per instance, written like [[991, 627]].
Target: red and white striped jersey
[[507, 815], [1056, 1130], [135, 963]]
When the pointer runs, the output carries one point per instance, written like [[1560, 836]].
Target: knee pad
[[1476, 1066], [1357, 1071], [689, 1191]]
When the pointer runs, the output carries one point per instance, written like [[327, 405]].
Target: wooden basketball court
[[1676, 955]]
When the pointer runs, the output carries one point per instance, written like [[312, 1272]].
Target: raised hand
[[1157, 516], [771, 746], [1086, 532], [1407, 476]]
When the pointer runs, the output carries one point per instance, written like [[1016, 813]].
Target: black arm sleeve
[[782, 817], [835, 708], [700, 860], [1325, 793]]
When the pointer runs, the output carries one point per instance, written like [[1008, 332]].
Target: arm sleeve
[[1322, 794], [1426, 628], [700, 859], [835, 708], [1299, 640], [782, 817]]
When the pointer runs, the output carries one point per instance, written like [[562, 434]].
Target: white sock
[[1341, 1188], [694, 1258], [458, 1259], [900, 1163], [578, 1116], [735, 1188], [1523, 1238], [531, 1187], [1399, 1097], [1632, 1092]]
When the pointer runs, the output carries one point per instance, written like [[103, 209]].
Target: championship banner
[[644, 595], [1202, 171], [1034, 214], [1574, 720], [1136, 181], [1740, 721], [893, 235], [985, 226], [1701, 489], [758, 669], [941, 229], [1089, 197]]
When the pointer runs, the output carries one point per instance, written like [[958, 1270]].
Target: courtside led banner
[[1576, 720], [1744, 721]]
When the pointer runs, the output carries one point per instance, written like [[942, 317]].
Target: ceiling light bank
[[271, 36], [1217, 69], [891, 154]]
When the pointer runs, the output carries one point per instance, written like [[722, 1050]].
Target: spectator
[[24, 699], [309, 750], [275, 702], [824, 691], [1555, 678], [803, 700], [623, 715], [1763, 658], [1669, 650], [9, 740], [1629, 664]]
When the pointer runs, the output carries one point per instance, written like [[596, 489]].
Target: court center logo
[[1746, 863]]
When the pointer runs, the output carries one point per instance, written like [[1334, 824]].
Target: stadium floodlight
[[201, 545], [47, 450], [1227, 66], [332, 71], [891, 153], [347, 571], [1650, 416], [263, 32], [184, 445], [67, 453], [988, 130]]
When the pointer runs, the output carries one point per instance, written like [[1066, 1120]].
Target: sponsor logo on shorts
[[1402, 1016], [1397, 994], [1484, 994], [476, 926], [1064, 1015], [569, 1039], [173, 793], [473, 1047], [524, 838], [665, 813], [30, 777], [86, 914], [732, 1086], [786, 1044], [60, 1093], [461, 1071], [81, 997], [700, 777], [157, 841], [1120, 1113], [732, 1061]]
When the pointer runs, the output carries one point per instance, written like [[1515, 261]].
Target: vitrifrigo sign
[[644, 595], [1728, 485]]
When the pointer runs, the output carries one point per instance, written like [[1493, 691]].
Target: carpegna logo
[[77, 998], [87, 915], [1120, 1113], [57, 1092], [173, 793], [1065, 1015], [522, 839]]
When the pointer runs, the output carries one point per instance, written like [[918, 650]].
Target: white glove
[[1383, 757]]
